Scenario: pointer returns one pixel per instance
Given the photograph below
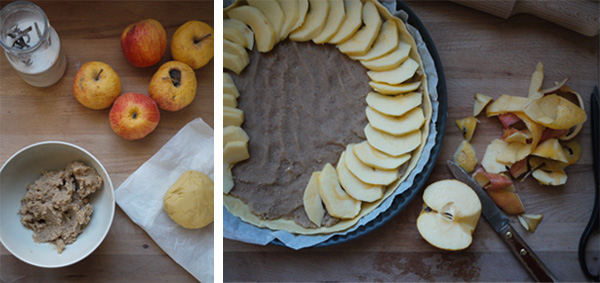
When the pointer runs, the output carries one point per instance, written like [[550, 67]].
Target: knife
[[501, 224]]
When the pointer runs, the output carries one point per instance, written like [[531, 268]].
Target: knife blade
[[501, 224]]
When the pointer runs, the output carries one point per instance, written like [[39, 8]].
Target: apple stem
[[98, 75], [198, 40]]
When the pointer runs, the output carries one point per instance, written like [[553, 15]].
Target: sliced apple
[[272, 11], [508, 200], [302, 12], [227, 79], [337, 16], [450, 214], [377, 159], [507, 103], [361, 42], [353, 11], [236, 49], [530, 221], [387, 89], [234, 62], [489, 161], [234, 133], [465, 156], [481, 101], [389, 61], [246, 31], [354, 186], [393, 145], [337, 202], [551, 149], [229, 100], [366, 173], [466, 126], [396, 125], [397, 105], [235, 151], [236, 36], [227, 178], [386, 42], [313, 205], [290, 17], [395, 76], [264, 33], [232, 116], [536, 82], [314, 22], [555, 112], [230, 88]]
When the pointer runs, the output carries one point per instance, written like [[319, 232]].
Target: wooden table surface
[[480, 53], [90, 31]]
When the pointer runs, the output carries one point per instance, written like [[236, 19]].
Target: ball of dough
[[189, 201]]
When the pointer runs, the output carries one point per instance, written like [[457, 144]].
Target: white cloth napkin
[[141, 197]]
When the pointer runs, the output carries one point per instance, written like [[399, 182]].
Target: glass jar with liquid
[[31, 45]]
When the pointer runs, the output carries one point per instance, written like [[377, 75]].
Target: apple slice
[[353, 11], [389, 61], [360, 43], [395, 76], [396, 125], [377, 159], [489, 161], [450, 214], [530, 221], [227, 79], [314, 22], [354, 186], [302, 12], [508, 200], [393, 145], [229, 88], [229, 100], [337, 202], [236, 49], [232, 116], [264, 33], [387, 89], [313, 205], [227, 178], [465, 156], [394, 105], [337, 16], [235, 151], [386, 42], [291, 15], [466, 126], [234, 62], [236, 36], [481, 101], [551, 149], [273, 13], [366, 173], [536, 82], [234, 133], [246, 31]]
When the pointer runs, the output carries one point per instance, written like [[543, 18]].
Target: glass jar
[[31, 45]]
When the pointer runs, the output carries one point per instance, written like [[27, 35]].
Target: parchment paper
[[235, 229], [141, 197]]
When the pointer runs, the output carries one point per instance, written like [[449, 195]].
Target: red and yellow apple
[[173, 86], [96, 85], [193, 44], [144, 43], [134, 116]]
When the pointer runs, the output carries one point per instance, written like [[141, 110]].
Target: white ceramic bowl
[[24, 168]]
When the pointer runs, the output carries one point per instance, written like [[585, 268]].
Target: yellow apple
[[173, 86], [96, 85], [193, 44]]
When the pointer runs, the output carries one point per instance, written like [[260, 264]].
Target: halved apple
[[232, 116], [313, 205], [337, 202], [353, 11], [246, 31], [290, 15], [389, 61], [397, 105], [362, 40], [354, 186], [481, 101], [530, 221], [387, 89], [385, 43], [314, 22], [229, 100], [235, 151], [465, 156], [234, 62], [377, 159], [395, 76], [466, 126], [450, 214], [264, 33], [366, 173], [508, 200], [393, 145], [273, 12], [337, 16], [227, 178], [234, 133], [230, 88], [396, 125]]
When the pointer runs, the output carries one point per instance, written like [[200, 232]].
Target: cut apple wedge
[[377, 159], [227, 178], [246, 31], [235, 151], [236, 49], [234, 133], [232, 116], [466, 126], [508, 200], [264, 33], [302, 12], [395, 76], [450, 214], [387, 89], [354, 186], [272, 11], [353, 21], [389, 61], [366, 173], [393, 145], [397, 105], [530, 221], [236, 36], [227, 79], [314, 22], [337, 16], [481, 101], [396, 125], [313, 205], [290, 17], [229, 100], [361, 42], [230, 88], [337, 202], [234, 62], [465, 156], [385, 43]]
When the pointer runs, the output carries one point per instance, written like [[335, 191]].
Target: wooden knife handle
[[523, 252]]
